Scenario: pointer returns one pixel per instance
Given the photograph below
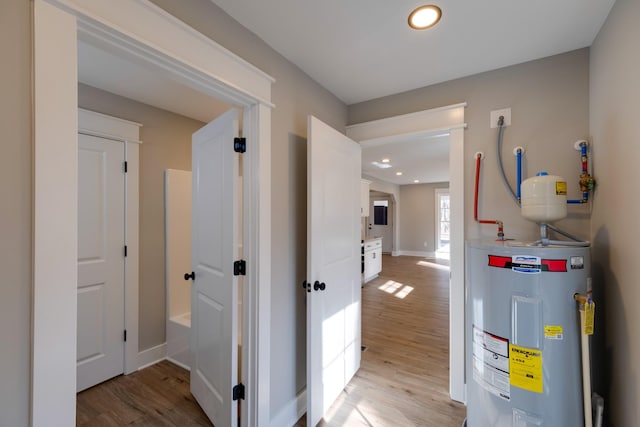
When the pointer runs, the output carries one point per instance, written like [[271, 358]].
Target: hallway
[[404, 376]]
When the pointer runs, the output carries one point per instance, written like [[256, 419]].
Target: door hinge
[[240, 268], [240, 145], [125, 335], [125, 251], [238, 392], [126, 166]]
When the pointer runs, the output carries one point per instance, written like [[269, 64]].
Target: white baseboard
[[417, 253], [176, 362], [292, 411], [152, 355]]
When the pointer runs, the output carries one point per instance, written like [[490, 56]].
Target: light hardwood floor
[[155, 396], [404, 376], [403, 380]]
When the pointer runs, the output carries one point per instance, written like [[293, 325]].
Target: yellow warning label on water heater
[[561, 188], [589, 314], [553, 332], [525, 368]]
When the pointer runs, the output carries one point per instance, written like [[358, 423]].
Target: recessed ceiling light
[[398, 173], [385, 160], [416, 181], [381, 165], [425, 17]]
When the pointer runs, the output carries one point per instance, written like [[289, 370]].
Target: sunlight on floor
[[403, 292], [397, 289], [390, 286], [433, 265], [443, 252], [364, 412]]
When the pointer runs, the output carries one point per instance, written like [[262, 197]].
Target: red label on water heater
[[554, 265], [499, 261]]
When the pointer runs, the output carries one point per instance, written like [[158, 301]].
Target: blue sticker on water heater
[[526, 264]]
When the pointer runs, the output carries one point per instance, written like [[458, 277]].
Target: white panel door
[[333, 265], [101, 216], [214, 325]]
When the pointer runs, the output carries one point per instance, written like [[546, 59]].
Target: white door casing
[[101, 263], [214, 320], [160, 41], [333, 262], [448, 119]]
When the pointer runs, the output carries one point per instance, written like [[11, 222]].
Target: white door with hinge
[[333, 265], [101, 239], [214, 320]]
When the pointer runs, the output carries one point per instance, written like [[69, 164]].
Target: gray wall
[[549, 100], [418, 217], [296, 95], [16, 193], [166, 144], [615, 90]]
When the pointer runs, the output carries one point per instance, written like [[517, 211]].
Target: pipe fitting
[[587, 183], [500, 231], [579, 144], [581, 299]]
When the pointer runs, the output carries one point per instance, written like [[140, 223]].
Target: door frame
[[391, 216], [152, 36], [437, 121]]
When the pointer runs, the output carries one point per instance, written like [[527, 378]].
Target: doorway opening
[[152, 37], [382, 219], [447, 121], [168, 144]]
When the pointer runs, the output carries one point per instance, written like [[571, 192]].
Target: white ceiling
[[425, 159], [360, 54], [364, 49]]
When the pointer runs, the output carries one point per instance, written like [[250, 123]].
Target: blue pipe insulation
[[585, 199], [519, 173]]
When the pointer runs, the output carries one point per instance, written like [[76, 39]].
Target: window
[[443, 222]]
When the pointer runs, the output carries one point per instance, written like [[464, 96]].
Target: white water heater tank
[[544, 198]]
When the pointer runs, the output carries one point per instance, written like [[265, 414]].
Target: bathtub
[[178, 336], [177, 263]]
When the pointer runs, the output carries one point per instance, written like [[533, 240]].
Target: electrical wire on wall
[[500, 163]]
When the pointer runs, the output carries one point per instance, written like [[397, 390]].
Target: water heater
[[523, 334]]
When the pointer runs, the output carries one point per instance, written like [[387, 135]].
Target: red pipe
[[475, 203]]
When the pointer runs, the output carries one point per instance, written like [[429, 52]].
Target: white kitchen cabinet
[[372, 258], [364, 197]]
